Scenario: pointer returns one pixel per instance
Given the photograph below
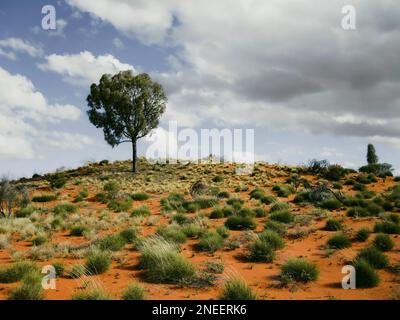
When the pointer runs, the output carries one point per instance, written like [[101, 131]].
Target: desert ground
[[183, 231]]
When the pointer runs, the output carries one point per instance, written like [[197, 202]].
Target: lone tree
[[372, 158], [127, 107]]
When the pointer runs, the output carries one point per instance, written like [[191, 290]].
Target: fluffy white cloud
[[84, 68], [25, 115], [11, 46], [287, 64]]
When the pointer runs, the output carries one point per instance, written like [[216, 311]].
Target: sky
[[286, 68]]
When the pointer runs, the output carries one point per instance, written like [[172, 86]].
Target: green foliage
[[272, 238], [284, 216], [24, 212], [217, 213], [387, 227], [260, 251], [374, 257], [112, 189], [237, 289], [134, 292], [77, 231], [98, 262], [240, 223], [17, 271], [333, 225], [92, 294], [283, 191], [110, 104], [172, 232], [218, 179], [331, 204], [111, 242], [257, 193], [383, 242], [129, 235], [120, 205], [366, 275], [30, 289], [140, 196], [339, 241], [44, 198], [223, 231], [300, 270], [143, 211], [363, 234], [278, 206], [210, 242], [276, 226], [57, 180], [379, 169], [372, 158], [174, 202], [334, 172], [65, 208], [39, 240]]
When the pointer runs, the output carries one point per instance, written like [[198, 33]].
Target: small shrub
[[383, 242], [300, 270], [77, 231], [267, 199], [44, 198], [143, 211], [357, 212], [284, 216], [57, 180], [240, 223], [30, 289], [235, 202], [206, 202], [374, 257], [17, 271], [272, 238], [223, 195], [134, 292], [339, 241], [214, 267], [217, 213], [120, 205], [24, 212], [259, 212], [174, 202], [210, 242], [257, 193], [129, 235], [366, 275], [278, 206], [237, 289], [333, 225], [59, 268], [39, 240], [223, 231], [64, 208], [140, 196], [111, 242], [276, 226], [98, 262], [363, 234], [260, 251], [331, 204], [92, 294], [112, 189], [387, 227], [218, 179], [172, 233]]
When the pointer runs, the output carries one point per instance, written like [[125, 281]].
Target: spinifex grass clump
[[260, 251], [44, 198], [129, 235], [65, 208], [111, 242], [374, 257], [339, 241], [366, 275], [92, 294], [300, 270], [276, 226], [237, 289], [173, 233], [278, 206], [210, 242], [236, 222], [140, 196], [163, 263], [387, 227], [284, 216], [134, 292], [98, 261], [17, 271], [120, 205], [383, 242], [363, 234], [333, 225], [77, 231], [143, 211], [272, 238], [30, 289], [174, 202], [331, 204]]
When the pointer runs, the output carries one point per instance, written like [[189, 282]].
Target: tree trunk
[[134, 156]]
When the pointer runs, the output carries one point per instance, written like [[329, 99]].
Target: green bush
[[334, 172], [77, 231], [237, 289], [57, 180], [333, 225], [163, 263], [387, 227], [39, 240], [374, 257], [278, 206], [44, 198], [120, 205], [259, 212], [210, 242], [64, 208], [143, 211], [24, 212], [30, 289], [174, 202], [267, 199], [112, 189], [17, 271], [223, 195], [257, 193], [217, 213], [284, 216], [272, 238], [172, 233], [276, 226], [134, 292], [260, 251], [218, 179], [300, 270], [223, 231], [205, 202], [191, 206], [129, 235], [98, 262], [383, 242], [235, 202], [140, 196], [338, 241], [357, 212], [366, 275], [283, 191], [92, 294], [363, 234], [59, 268], [240, 223], [111, 242], [331, 204]]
